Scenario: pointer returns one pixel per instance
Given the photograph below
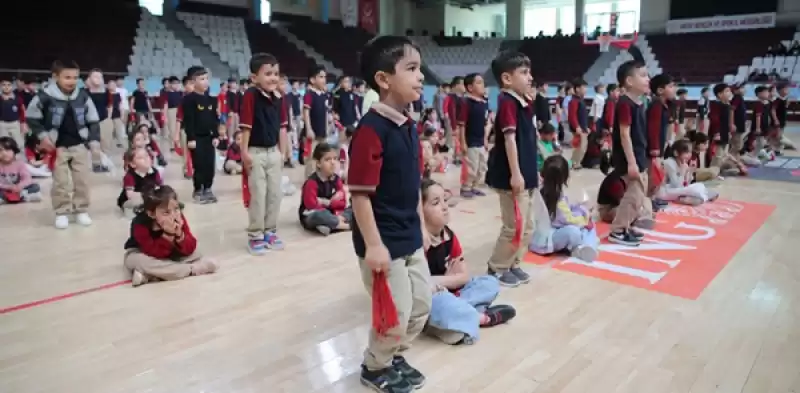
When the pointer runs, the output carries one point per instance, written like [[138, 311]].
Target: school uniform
[[658, 121], [472, 117], [102, 104], [200, 124], [312, 214], [578, 118], [703, 109], [631, 114], [739, 120], [12, 117], [780, 107], [384, 158], [344, 105], [233, 160], [140, 105], [137, 182], [719, 130], [188, 170], [115, 101], [760, 123], [172, 101], [542, 109], [234, 100], [316, 102], [681, 117], [264, 114], [514, 119], [703, 170], [451, 105], [147, 252]]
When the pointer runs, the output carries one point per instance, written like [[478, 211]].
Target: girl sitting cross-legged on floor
[[161, 246], [40, 161], [233, 156], [678, 186], [461, 304], [571, 226], [16, 184], [323, 203], [139, 176]]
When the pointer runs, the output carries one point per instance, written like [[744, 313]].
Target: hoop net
[[604, 41]]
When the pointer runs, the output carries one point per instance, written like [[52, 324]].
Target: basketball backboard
[[610, 28]]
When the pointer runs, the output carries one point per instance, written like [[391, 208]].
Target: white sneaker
[[83, 219], [62, 222]]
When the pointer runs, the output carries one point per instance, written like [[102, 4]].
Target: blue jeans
[[571, 237], [326, 218], [454, 317]]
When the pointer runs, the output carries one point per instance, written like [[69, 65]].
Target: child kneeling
[[323, 205], [678, 186], [161, 247], [16, 184], [571, 227], [461, 304]]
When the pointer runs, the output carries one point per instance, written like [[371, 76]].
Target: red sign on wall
[[369, 15]]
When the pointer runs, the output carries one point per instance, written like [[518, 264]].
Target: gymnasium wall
[[228, 3]]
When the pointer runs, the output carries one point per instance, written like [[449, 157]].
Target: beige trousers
[[706, 174], [172, 123], [70, 192], [632, 204], [162, 269], [506, 255], [233, 167], [580, 151], [13, 130], [107, 136], [119, 130], [264, 180], [409, 281], [476, 166]]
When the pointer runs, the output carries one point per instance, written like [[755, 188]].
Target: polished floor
[[296, 321]]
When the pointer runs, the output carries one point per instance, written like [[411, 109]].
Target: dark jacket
[[46, 112]]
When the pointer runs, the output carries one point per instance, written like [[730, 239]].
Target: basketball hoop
[[604, 41]]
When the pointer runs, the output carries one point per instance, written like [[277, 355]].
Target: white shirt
[[370, 97], [123, 94], [599, 102]]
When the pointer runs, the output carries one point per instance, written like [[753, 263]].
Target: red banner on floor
[[369, 15]]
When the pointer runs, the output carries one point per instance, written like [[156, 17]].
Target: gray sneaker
[[506, 278], [521, 275]]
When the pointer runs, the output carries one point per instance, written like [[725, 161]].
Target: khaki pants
[[13, 130], [607, 212], [70, 192], [311, 165], [580, 151], [106, 135], [506, 255], [476, 166], [233, 124], [632, 204], [172, 123], [706, 174], [162, 269], [722, 159], [681, 132], [409, 282], [737, 143], [186, 153], [119, 130], [232, 167], [264, 180]]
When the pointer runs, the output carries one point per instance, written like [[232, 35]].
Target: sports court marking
[[65, 296], [684, 252], [786, 169]]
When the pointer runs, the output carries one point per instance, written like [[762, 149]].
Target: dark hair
[[626, 70], [703, 90], [127, 158], [612, 87], [680, 147], [155, 197], [698, 138], [186, 80], [598, 86], [163, 80], [8, 143], [781, 85], [259, 60], [579, 82], [356, 83], [348, 131], [555, 174], [470, 79], [243, 81], [93, 70], [233, 80], [719, 88], [381, 54], [508, 62], [315, 70], [681, 92], [457, 80], [443, 85], [761, 89], [547, 129], [222, 84], [59, 66], [173, 79], [322, 149], [139, 80], [426, 113], [425, 186], [137, 130], [659, 81], [195, 71]]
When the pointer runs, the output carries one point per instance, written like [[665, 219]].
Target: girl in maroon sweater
[[161, 245]]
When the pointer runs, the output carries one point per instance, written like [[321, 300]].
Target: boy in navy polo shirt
[[513, 169], [263, 116], [97, 92], [578, 119], [388, 229], [200, 123], [315, 113], [140, 103], [658, 124], [12, 114], [739, 120], [171, 101], [472, 118], [721, 127], [629, 152]]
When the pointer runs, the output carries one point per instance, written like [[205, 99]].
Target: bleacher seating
[[787, 67], [157, 52], [335, 42], [555, 59], [458, 60], [264, 38], [226, 36], [707, 57], [34, 35]]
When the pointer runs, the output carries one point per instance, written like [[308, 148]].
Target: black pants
[[204, 159]]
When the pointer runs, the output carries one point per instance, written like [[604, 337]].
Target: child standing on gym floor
[[200, 124]]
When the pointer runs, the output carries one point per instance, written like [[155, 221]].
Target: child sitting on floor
[[431, 160], [161, 246], [323, 204], [40, 162], [547, 144], [16, 184], [461, 304], [139, 176], [233, 157], [344, 145], [701, 158], [573, 229], [140, 139], [678, 186], [608, 198]]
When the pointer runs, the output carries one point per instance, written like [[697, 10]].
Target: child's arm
[[572, 115], [128, 184], [159, 248], [564, 212], [507, 124], [189, 121], [185, 242], [338, 202], [462, 113], [310, 193], [457, 274], [366, 152], [759, 111], [307, 101]]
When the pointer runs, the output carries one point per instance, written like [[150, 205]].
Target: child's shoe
[[324, 230], [521, 275], [199, 197], [138, 278], [624, 238], [585, 253], [204, 266], [62, 222], [411, 374], [83, 219], [499, 314], [477, 192], [100, 169], [209, 196], [506, 278], [33, 197], [467, 194], [257, 246], [388, 380], [272, 241]]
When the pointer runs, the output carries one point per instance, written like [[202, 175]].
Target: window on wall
[[628, 21], [566, 20], [266, 11], [597, 15], [156, 7], [540, 19]]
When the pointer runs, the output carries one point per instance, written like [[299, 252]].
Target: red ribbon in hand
[[384, 311], [517, 225]]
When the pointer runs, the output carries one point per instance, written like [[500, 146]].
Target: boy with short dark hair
[[598, 104], [473, 120], [12, 114], [629, 152], [451, 105], [542, 105], [780, 106], [388, 229], [720, 129], [96, 88], [578, 120], [659, 119], [67, 135], [681, 113], [170, 101], [200, 124], [188, 169], [760, 122], [315, 114], [263, 116], [140, 102], [703, 105], [513, 171], [739, 119]]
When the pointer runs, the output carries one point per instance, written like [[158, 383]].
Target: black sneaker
[[624, 238], [522, 275], [411, 374], [100, 169], [636, 234], [199, 197], [506, 278], [210, 197], [388, 380], [499, 314]]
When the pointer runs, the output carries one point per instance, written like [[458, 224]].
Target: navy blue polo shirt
[[100, 101], [295, 100], [10, 109], [514, 119], [174, 99], [472, 116], [140, 101], [264, 114], [345, 107], [739, 113], [760, 119], [116, 100], [629, 113], [384, 156], [317, 104], [719, 115], [234, 101], [657, 125]]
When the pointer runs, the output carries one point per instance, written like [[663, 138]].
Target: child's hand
[[517, 183], [377, 258], [247, 160], [215, 142], [191, 144], [46, 144], [337, 196], [323, 201]]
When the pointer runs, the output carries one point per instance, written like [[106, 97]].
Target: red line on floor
[[65, 296]]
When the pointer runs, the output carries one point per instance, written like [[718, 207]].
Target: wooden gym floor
[[296, 320]]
